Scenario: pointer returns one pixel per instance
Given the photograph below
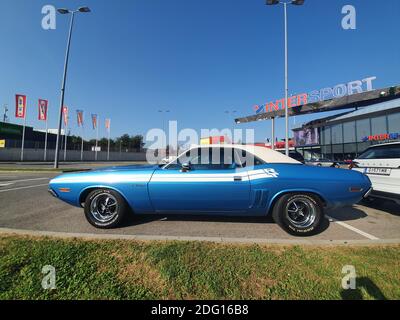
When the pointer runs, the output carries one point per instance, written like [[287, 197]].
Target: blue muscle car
[[215, 179]]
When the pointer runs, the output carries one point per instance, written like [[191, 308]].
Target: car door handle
[[237, 178]]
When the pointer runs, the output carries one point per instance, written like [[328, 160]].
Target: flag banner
[[43, 109], [79, 117], [65, 113], [108, 122], [20, 106], [94, 121]]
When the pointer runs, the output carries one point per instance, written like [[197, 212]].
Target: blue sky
[[195, 58]]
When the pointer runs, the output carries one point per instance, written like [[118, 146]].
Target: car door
[[210, 185]]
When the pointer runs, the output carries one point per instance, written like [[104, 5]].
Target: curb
[[300, 241]]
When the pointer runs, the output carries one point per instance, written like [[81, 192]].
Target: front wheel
[[105, 208], [300, 214]]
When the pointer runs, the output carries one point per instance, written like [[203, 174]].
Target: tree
[[137, 142]]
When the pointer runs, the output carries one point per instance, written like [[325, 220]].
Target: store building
[[346, 135]]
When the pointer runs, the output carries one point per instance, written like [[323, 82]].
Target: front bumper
[[53, 193], [367, 194]]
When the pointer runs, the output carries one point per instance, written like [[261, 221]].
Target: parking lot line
[[347, 226], [27, 187], [25, 180]]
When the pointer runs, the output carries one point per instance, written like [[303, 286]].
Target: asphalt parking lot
[[26, 204]]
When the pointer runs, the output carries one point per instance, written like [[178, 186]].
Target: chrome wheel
[[104, 207], [301, 212]]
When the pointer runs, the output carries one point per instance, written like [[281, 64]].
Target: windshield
[[383, 152]]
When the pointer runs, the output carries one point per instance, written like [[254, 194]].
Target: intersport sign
[[338, 91]]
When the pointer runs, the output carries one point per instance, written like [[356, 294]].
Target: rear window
[[383, 152]]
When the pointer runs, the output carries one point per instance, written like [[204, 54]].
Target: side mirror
[[185, 167]]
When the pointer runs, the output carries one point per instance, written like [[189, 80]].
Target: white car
[[381, 163]]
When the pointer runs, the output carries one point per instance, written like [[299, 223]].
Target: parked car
[[242, 181], [323, 162], [381, 163]]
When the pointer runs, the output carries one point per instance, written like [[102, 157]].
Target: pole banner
[[43, 109], [108, 122], [65, 113], [94, 121], [20, 106], [79, 117]]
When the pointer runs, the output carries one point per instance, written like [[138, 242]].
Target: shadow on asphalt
[[388, 206], [133, 219], [347, 214]]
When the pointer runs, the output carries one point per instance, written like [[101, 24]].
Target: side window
[[206, 159], [247, 159], [214, 159]]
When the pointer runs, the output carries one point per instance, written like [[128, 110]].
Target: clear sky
[[131, 58]]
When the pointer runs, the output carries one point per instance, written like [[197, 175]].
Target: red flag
[[94, 121], [65, 112], [79, 117], [43, 109], [20, 106], [108, 121]]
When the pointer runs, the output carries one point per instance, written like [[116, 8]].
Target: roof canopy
[[352, 101]]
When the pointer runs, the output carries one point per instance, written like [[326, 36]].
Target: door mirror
[[185, 167]]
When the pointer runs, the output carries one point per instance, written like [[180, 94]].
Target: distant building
[[346, 135], [34, 139]]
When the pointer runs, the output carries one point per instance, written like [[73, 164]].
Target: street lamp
[[296, 3], [72, 12]]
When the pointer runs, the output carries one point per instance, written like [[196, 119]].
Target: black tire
[[308, 219], [104, 214]]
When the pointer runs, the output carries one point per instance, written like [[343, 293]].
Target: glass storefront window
[[337, 134], [363, 129], [378, 125], [326, 134], [349, 132], [337, 150], [394, 122]]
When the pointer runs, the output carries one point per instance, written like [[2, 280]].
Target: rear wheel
[[300, 214], [105, 208]]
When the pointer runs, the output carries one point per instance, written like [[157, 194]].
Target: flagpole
[[23, 137], [65, 141], [108, 146], [82, 143], [97, 138], [45, 138]]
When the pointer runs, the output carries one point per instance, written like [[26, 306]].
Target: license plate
[[379, 171]]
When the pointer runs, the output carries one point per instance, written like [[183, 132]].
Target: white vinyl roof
[[265, 154]]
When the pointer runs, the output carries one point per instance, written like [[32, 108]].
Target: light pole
[[232, 112], [296, 3], [72, 12]]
